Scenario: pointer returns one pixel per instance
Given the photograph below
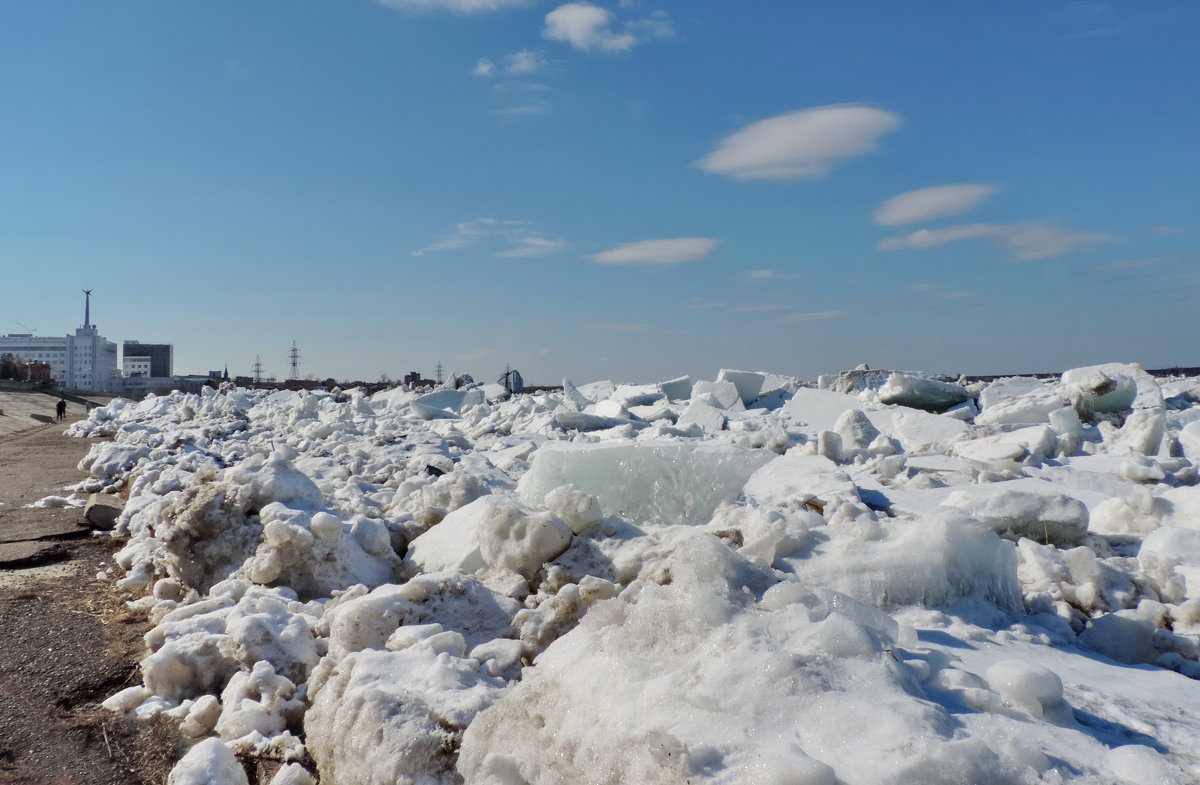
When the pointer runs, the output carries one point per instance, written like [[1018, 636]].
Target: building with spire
[[85, 361]]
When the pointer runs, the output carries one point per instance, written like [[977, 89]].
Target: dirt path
[[22, 410], [68, 643]]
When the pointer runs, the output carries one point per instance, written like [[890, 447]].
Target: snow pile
[[715, 580]]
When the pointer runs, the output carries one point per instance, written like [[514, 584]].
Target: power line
[[294, 357]]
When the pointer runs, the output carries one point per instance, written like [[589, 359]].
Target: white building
[[84, 361], [135, 366]]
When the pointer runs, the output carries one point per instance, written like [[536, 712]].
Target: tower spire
[[87, 308]]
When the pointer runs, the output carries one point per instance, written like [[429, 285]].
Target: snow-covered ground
[[885, 579]]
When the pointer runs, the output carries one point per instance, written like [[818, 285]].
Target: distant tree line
[[13, 367]]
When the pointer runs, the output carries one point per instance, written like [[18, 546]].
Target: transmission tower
[[294, 357], [439, 371], [257, 370]]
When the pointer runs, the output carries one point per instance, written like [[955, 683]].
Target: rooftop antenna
[[87, 307], [294, 357], [439, 371], [257, 370]]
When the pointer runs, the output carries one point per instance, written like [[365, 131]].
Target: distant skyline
[[630, 190]]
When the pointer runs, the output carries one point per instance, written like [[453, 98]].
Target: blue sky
[[631, 190]]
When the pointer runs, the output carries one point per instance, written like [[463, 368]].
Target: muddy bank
[[68, 642]]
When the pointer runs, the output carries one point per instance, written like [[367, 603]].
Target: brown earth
[[22, 410], [68, 641]]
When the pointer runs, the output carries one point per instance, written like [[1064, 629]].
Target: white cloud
[[818, 316], [454, 6], [520, 97], [526, 61], [668, 251], [801, 144], [622, 328], [533, 244], [1024, 242], [466, 233], [520, 63], [925, 204], [586, 27], [762, 276], [527, 242], [590, 28], [928, 238], [657, 25], [1166, 229], [1032, 241]]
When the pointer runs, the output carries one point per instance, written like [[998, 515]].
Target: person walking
[[61, 408]]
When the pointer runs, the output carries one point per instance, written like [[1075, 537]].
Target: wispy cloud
[[521, 97], [667, 251], [817, 316], [465, 234], [533, 244], [805, 144], [1024, 242], [454, 6], [1166, 229], [521, 63], [763, 276], [526, 61], [523, 239], [656, 26], [590, 29], [1029, 242], [926, 204], [929, 238], [623, 328]]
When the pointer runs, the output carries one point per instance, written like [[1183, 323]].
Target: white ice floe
[[735, 580], [921, 393]]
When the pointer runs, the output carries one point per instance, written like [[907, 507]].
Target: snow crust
[[737, 580]]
